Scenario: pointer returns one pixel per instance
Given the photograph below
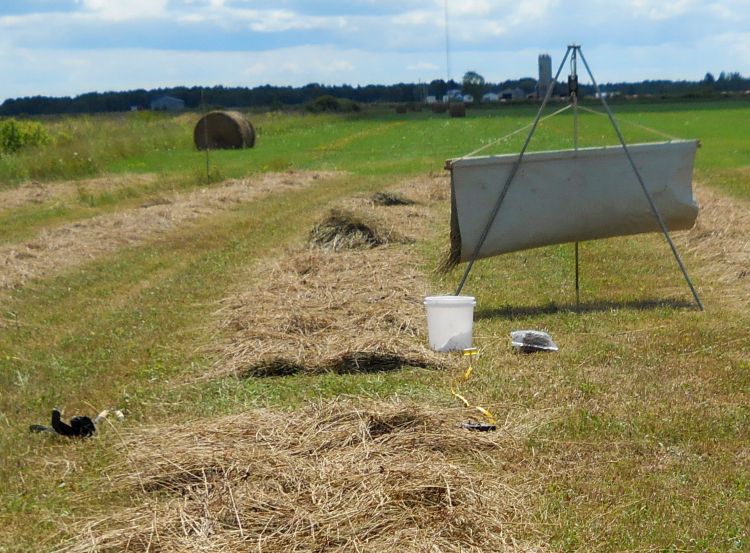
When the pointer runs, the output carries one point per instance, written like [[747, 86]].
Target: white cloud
[[256, 70], [422, 66], [118, 10], [662, 9], [418, 17], [481, 8], [111, 44]]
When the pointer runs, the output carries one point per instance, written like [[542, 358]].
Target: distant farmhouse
[[167, 103], [512, 94], [491, 97], [454, 94]]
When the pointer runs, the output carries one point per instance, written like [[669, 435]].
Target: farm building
[[491, 97], [512, 94], [168, 103], [454, 94]]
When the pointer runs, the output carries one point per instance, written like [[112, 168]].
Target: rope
[[462, 378], [558, 112], [632, 123], [507, 136]]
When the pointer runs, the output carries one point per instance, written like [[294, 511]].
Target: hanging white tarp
[[569, 195]]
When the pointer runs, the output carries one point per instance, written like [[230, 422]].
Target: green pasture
[[646, 432], [375, 142]]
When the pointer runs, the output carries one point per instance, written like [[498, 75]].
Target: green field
[[642, 432]]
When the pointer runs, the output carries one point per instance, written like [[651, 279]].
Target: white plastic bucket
[[450, 322]]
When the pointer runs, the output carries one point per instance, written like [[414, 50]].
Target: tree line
[[268, 96]]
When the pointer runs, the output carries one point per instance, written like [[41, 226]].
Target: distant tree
[[437, 88], [473, 83], [709, 78]]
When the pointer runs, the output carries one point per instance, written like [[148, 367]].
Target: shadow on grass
[[348, 363], [510, 312]]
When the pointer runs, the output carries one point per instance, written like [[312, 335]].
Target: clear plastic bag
[[529, 341]]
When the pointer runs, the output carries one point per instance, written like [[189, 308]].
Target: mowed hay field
[[278, 391]]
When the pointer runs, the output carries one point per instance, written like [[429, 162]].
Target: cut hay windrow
[[335, 310], [324, 311], [342, 229], [333, 477], [56, 249], [720, 239], [36, 193]]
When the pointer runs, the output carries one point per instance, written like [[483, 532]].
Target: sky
[[68, 47]]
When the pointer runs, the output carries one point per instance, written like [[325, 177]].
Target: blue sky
[[67, 47]]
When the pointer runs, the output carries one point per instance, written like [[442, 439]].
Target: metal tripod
[[574, 51]]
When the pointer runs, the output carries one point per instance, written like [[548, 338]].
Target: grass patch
[[640, 437]]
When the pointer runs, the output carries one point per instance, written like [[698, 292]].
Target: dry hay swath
[[35, 193], [321, 310], [457, 109], [343, 229], [56, 249], [452, 257], [223, 130], [720, 239], [332, 477]]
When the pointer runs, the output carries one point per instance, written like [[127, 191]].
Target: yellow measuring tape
[[464, 377]]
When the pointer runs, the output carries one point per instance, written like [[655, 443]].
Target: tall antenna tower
[[447, 44]]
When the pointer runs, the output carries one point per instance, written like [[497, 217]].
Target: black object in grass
[[79, 427], [478, 426]]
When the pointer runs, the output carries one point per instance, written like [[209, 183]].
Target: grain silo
[[545, 75]]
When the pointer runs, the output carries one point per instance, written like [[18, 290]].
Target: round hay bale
[[401, 108], [439, 107], [223, 130], [458, 110]]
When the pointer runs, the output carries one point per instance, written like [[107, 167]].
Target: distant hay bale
[[458, 110], [439, 107], [401, 108], [223, 130]]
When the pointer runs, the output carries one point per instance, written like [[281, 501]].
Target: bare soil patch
[[67, 246], [331, 477]]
